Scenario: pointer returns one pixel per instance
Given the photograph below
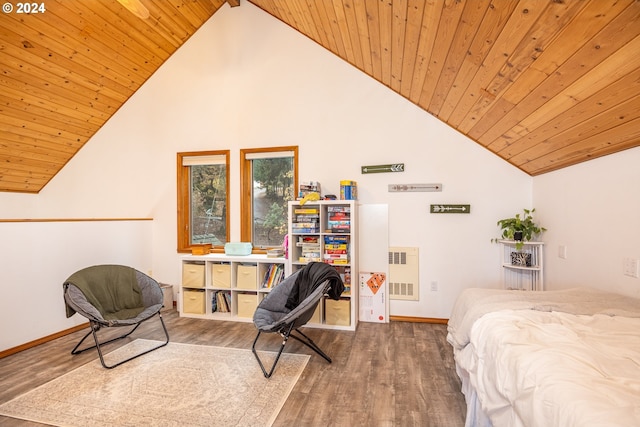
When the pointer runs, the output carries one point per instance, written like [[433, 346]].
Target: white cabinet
[[218, 286], [326, 231], [523, 269]]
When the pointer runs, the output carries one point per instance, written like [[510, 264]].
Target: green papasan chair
[[113, 296]]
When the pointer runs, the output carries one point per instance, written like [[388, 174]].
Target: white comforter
[[536, 368]]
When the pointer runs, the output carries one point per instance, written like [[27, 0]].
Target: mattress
[[561, 358]]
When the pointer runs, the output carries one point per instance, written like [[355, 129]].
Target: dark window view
[[272, 189], [208, 204]]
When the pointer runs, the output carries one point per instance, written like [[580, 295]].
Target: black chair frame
[[288, 328], [286, 334], [96, 326]]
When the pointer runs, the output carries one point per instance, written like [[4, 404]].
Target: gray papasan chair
[[291, 304], [113, 296]]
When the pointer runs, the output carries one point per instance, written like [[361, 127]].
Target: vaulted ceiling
[[544, 84]]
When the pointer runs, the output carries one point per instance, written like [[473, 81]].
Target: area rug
[[178, 385]]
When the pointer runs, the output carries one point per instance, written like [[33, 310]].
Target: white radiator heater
[[403, 274]]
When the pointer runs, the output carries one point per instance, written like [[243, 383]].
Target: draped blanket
[[112, 289], [309, 278]]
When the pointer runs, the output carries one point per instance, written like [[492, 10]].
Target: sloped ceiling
[[542, 84]]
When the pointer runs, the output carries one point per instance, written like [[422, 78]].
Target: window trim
[[246, 184], [184, 203]]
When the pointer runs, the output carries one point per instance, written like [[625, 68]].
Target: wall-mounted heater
[[403, 274]]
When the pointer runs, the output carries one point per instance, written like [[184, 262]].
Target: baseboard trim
[[414, 319], [31, 344], [42, 340]]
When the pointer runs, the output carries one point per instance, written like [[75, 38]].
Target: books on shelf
[[221, 302], [275, 253], [273, 276]]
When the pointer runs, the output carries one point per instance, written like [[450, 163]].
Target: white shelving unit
[[523, 277], [326, 231], [239, 278]]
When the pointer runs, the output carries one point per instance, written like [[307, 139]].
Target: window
[[269, 177], [203, 199]]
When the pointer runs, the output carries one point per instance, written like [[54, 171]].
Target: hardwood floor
[[396, 374]]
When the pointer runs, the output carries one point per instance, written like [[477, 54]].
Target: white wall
[[594, 210], [37, 257], [247, 80]]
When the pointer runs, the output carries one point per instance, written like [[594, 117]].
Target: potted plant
[[520, 229]]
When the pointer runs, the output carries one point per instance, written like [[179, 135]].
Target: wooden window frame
[[184, 202], [246, 184]]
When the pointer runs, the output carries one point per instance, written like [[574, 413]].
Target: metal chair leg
[[309, 343], [95, 327], [285, 337]]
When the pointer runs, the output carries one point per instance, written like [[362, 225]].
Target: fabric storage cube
[[221, 275], [193, 301], [316, 316], [337, 312], [247, 277], [247, 304], [192, 275]]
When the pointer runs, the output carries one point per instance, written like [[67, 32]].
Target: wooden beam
[[233, 3]]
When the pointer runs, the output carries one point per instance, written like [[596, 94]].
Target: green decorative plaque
[[396, 167], [464, 209]]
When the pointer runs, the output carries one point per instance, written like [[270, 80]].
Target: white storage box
[[238, 248]]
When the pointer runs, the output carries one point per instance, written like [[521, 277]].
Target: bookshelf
[[525, 276], [223, 287], [326, 231]]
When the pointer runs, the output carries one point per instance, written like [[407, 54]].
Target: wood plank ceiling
[[544, 84]]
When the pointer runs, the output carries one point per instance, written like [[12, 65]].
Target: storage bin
[[337, 312], [193, 275], [316, 316], [221, 275], [238, 248], [193, 301], [167, 293], [247, 277], [247, 304]]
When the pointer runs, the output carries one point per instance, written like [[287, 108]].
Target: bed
[[553, 358]]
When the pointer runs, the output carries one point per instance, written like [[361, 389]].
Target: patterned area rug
[[178, 385]]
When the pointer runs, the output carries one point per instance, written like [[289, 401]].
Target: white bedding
[[562, 358], [474, 303], [532, 368]]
